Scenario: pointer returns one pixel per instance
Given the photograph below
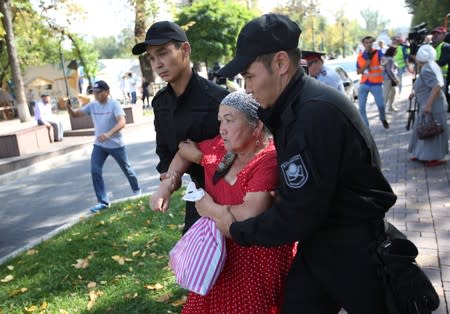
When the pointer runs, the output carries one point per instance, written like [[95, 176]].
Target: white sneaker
[[138, 192]]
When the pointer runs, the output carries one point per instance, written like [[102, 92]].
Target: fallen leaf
[[119, 259], [61, 311], [91, 285], [156, 286], [17, 291], [32, 252], [93, 295], [172, 226], [10, 267], [8, 278], [81, 263], [31, 308], [178, 302], [164, 297], [135, 253], [90, 305], [43, 306]]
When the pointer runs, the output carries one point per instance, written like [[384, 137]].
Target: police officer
[[186, 108], [322, 72], [332, 196]]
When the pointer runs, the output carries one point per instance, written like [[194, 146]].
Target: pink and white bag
[[199, 256]]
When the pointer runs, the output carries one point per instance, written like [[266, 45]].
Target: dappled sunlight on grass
[[113, 262]]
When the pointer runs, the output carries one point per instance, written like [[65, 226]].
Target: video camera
[[416, 37]]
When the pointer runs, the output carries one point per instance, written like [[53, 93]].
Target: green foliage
[[125, 248], [432, 12], [212, 27], [115, 47]]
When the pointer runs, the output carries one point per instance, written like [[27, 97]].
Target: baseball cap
[[159, 34], [100, 86], [263, 35], [439, 29]]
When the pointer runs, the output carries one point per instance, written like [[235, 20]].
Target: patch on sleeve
[[294, 172]]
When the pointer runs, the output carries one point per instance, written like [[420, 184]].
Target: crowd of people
[[291, 173]]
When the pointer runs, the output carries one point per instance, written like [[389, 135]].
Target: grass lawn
[[113, 262]]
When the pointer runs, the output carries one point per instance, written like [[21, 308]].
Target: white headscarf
[[426, 53]]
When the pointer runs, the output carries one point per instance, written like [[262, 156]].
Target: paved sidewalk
[[422, 210]]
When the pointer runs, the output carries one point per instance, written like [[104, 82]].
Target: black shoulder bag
[[408, 289]]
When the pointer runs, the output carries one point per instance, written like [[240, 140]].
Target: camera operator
[[442, 55]]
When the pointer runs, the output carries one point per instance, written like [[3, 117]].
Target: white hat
[[426, 53]]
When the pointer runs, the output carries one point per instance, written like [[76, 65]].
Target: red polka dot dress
[[253, 278]]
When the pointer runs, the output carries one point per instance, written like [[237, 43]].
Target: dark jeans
[[98, 158]]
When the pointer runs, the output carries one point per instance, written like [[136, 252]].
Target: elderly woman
[[431, 99], [240, 171]]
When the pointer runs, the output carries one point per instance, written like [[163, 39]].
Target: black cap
[[312, 55], [45, 95], [159, 34], [100, 86], [266, 34]]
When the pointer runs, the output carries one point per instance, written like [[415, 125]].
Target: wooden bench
[[25, 141], [7, 112]]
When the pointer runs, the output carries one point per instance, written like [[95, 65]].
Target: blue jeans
[[377, 92], [133, 98], [400, 72], [98, 158]]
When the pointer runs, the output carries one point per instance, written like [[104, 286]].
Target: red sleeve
[[263, 176], [212, 151]]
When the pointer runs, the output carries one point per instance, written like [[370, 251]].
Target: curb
[[60, 229]]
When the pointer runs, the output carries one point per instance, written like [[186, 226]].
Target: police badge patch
[[294, 172]]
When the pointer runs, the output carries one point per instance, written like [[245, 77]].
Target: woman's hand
[[205, 205], [411, 96], [427, 109]]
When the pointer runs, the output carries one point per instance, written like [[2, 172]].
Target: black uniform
[[444, 59], [332, 198], [192, 115]]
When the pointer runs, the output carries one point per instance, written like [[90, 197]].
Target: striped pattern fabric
[[199, 256]]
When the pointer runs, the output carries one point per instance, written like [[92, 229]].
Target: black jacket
[[329, 167], [192, 115]]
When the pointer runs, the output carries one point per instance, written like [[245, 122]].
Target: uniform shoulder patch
[[294, 172]]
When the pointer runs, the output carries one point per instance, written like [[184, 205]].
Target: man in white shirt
[[44, 116]]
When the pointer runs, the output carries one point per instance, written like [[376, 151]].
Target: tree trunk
[[21, 103]]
